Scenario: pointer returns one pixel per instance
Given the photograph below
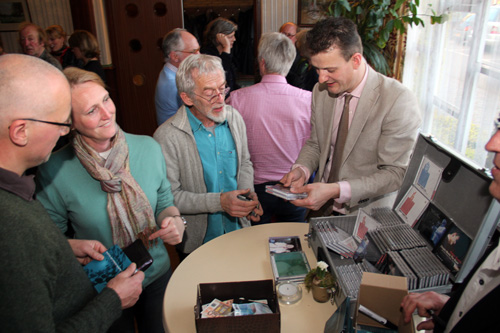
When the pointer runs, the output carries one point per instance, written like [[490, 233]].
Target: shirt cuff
[[303, 168], [345, 192]]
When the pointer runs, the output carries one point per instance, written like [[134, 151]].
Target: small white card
[[428, 177], [364, 223], [412, 206]]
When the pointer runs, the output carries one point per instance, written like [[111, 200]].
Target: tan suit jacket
[[380, 140]]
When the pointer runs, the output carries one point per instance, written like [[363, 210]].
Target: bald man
[[42, 283], [290, 30], [177, 45]]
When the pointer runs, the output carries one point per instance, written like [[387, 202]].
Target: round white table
[[241, 255]]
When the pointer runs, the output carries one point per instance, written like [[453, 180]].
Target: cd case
[[284, 244], [290, 266], [284, 192], [115, 261]]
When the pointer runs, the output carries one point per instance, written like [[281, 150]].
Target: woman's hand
[[171, 230], [224, 42]]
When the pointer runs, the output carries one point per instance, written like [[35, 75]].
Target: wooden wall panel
[[137, 70]]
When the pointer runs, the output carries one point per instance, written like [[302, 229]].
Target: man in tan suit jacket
[[383, 122]]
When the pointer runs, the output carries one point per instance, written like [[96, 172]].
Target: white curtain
[[454, 69]]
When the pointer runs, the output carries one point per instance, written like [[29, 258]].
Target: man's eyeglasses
[[195, 51], [65, 126], [497, 123], [212, 99], [288, 35]]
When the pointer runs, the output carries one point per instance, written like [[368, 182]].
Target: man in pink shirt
[[277, 117]]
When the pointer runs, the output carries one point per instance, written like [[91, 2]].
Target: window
[[454, 70]]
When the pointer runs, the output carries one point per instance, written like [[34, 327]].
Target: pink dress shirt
[[277, 117]]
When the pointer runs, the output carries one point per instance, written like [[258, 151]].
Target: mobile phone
[[245, 197]]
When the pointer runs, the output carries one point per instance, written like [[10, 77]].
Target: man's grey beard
[[220, 118]]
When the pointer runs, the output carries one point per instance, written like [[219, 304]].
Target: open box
[[382, 294], [460, 193], [256, 290]]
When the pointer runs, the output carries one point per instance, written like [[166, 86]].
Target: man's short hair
[[172, 41], [337, 32], [42, 36], [278, 53], [86, 42], [203, 64]]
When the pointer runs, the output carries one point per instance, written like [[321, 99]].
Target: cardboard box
[[383, 295], [263, 289]]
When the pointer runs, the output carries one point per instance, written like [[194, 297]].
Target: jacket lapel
[[366, 104]]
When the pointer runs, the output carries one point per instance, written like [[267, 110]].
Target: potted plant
[[321, 282], [377, 21]]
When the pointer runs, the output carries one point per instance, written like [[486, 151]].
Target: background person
[[277, 118], [218, 40], [33, 42], [206, 151], [119, 192], [59, 49], [43, 286], [177, 45], [86, 49]]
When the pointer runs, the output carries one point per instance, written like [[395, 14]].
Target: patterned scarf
[[129, 210]]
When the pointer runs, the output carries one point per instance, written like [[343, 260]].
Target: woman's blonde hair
[[78, 76]]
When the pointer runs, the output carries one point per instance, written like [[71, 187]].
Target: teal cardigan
[[71, 195]]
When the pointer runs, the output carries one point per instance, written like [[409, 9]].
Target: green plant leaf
[[398, 4]]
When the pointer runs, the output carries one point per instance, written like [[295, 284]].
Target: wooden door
[[136, 29]]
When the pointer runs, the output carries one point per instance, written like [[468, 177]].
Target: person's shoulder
[[56, 158], [299, 92], [173, 122], [142, 141]]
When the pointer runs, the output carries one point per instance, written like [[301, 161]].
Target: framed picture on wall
[[12, 13], [311, 11]]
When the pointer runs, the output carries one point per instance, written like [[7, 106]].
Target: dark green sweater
[[43, 288]]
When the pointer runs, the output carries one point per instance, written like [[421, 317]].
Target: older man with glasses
[[177, 45], [206, 152]]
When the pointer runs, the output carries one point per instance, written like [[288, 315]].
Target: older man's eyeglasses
[[497, 123], [65, 127], [195, 51], [288, 34], [215, 95]]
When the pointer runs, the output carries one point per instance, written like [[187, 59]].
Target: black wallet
[[138, 253]]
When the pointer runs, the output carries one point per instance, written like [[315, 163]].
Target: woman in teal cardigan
[[112, 186]]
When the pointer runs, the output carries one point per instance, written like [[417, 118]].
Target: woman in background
[[59, 49], [112, 186], [85, 47], [219, 38]]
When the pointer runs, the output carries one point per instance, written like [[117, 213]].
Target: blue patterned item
[[100, 272]]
